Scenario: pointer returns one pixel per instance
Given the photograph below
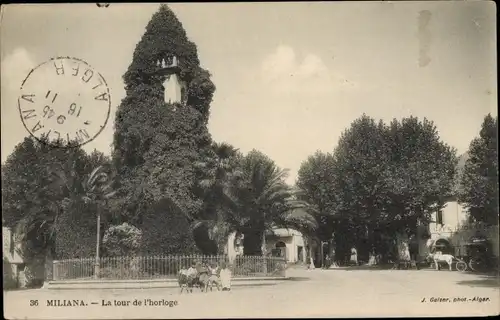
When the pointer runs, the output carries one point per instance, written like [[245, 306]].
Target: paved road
[[316, 293]]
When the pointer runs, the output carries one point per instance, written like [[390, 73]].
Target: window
[[300, 253], [439, 217], [12, 247]]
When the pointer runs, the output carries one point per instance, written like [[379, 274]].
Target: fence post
[[55, 276]]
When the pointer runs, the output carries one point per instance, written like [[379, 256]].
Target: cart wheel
[[461, 266]]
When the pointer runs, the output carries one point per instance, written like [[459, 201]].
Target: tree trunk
[[252, 243], [97, 258], [222, 240], [264, 253], [230, 247], [403, 247]]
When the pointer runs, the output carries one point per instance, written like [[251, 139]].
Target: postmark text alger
[[65, 100]]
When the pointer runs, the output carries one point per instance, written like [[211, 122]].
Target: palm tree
[[248, 195], [96, 188], [218, 171], [263, 201]]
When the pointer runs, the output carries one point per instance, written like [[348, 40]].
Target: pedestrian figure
[[192, 270], [311, 264], [354, 256], [225, 277], [214, 276], [191, 275], [327, 262], [203, 275]]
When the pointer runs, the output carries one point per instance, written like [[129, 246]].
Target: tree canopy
[[316, 186], [380, 180], [38, 179], [478, 190], [262, 200]]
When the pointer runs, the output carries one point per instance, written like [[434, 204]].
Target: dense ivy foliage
[[165, 36], [166, 231], [157, 144]]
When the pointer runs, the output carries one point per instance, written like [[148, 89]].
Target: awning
[[434, 243], [477, 240], [282, 232]]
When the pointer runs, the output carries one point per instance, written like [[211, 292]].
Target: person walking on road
[[354, 256], [225, 277]]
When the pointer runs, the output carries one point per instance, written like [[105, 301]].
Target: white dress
[[311, 264], [354, 256], [225, 278]]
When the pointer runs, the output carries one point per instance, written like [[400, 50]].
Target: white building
[[287, 243], [11, 253], [451, 229]]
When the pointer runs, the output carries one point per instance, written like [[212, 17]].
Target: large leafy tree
[[35, 198], [24, 194], [315, 185], [422, 172], [384, 182], [157, 144], [479, 181], [359, 170]]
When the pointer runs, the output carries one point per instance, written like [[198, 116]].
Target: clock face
[[64, 100]]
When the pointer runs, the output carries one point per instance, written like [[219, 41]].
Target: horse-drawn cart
[[480, 254]]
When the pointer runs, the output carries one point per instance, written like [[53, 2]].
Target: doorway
[[281, 246], [300, 253]]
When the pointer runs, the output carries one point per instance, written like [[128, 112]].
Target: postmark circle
[[64, 102]]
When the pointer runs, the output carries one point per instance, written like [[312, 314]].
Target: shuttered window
[[439, 217]]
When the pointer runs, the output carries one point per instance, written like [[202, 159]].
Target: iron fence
[[162, 267]]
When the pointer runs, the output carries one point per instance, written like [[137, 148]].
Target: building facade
[[287, 243], [12, 257], [280, 242], [451, 229]]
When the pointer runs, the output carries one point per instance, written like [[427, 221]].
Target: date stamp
[[64, 102]]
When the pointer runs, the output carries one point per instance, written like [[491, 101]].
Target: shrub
[[248, 266], [122, 240]]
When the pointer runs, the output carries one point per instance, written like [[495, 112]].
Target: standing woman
[[354, 256], [225, 277]]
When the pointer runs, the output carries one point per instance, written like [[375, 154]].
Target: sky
[[290, 77]]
